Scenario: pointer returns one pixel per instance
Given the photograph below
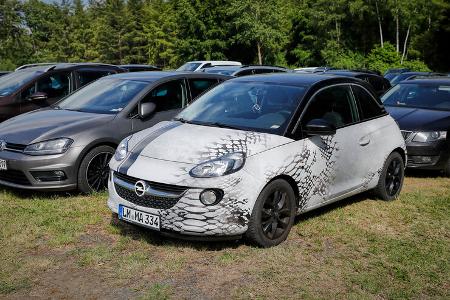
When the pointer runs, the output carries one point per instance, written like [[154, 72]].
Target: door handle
[[364, 141]]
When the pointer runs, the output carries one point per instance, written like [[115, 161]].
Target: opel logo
[[140, 187], [2, 145]]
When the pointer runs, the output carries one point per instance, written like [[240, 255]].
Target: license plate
[[3, 165], [139, 217]]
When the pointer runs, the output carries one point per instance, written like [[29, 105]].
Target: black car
[[139, 68], [35, 86], [411, 75], [391, 73], [422, 109], [68, 145], [238, 71], [2, 73], [378, 82]]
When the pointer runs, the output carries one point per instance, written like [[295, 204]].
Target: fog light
[[210, 197], [48, 176]]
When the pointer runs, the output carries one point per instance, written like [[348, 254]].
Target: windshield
[[104, 96], [15, 80], [264, 107], [189, 67], [419, 96]]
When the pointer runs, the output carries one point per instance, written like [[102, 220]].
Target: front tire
[[273, 215], [94, 170], [391, 178]]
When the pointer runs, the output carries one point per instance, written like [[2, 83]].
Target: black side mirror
[[146, 109], [320, 127], [39, 96]]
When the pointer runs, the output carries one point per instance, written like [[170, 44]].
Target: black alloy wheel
[[394, 176], [275, 215], [98, 171], [391, 178]]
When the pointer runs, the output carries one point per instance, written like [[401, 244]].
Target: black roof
[[294, 79], [151, 76]]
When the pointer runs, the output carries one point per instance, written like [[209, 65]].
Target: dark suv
[[35, 86]]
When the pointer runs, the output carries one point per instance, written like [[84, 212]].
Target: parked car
[[412, 75], [35, 86], [68, 146], [391, 73], [139, 68], [244, 70], [378, 83], [422, 109], [2, 73], [249, 155], [194, 66]]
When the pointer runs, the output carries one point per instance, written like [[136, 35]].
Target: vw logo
[[140, 187], [2, 145]]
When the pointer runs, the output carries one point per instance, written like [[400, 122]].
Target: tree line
[[375, 34]]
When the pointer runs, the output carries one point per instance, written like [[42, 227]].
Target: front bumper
[[24, 170], [432, 156], [192, 219]]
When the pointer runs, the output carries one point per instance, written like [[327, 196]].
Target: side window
[[333, 104], [368, 106], [262, 71], [85, 77], [56, 86], [199, 85], [167, 96], [207, 65], [245, 73]]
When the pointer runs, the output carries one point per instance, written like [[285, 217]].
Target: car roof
[[295, 79], [58, 66], [151, 76], [427, 81]]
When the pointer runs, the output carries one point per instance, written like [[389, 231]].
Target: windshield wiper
[[220, 125]]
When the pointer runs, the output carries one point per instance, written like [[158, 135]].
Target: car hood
[[49, 124], [416, 119], [188, 143]]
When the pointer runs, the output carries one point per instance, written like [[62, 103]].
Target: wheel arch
[[291, 182], [402, 152], [92, 146]]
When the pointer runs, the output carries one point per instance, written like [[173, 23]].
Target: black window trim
[[358, 104], [298, 131]]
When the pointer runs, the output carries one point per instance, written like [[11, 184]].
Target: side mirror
[[39, 96], [146, 109], [320, 127]]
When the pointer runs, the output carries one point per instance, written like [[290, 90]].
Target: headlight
[[224, 165], [431, 136], [122, 149], [56, 146]]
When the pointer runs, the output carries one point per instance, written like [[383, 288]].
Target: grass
[[72, 247]]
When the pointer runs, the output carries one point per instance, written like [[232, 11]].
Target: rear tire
[[94, 170], [391, 178], [273, 215], [447, 169]]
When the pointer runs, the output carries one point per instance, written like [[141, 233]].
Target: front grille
[[13, 176], [15, 147], [406, 134], [149, 201]]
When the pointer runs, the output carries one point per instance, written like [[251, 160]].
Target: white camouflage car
[[249, 155]]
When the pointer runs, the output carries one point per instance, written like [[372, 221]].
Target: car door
[[169, 97], [53, 86], [333, 170]]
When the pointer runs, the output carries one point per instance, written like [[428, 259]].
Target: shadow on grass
[[423, 173], [140, 233], [34, 195]]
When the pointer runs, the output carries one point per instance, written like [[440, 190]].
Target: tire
[[92, 177], [447, 169], [267, 213], [391, 178]]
